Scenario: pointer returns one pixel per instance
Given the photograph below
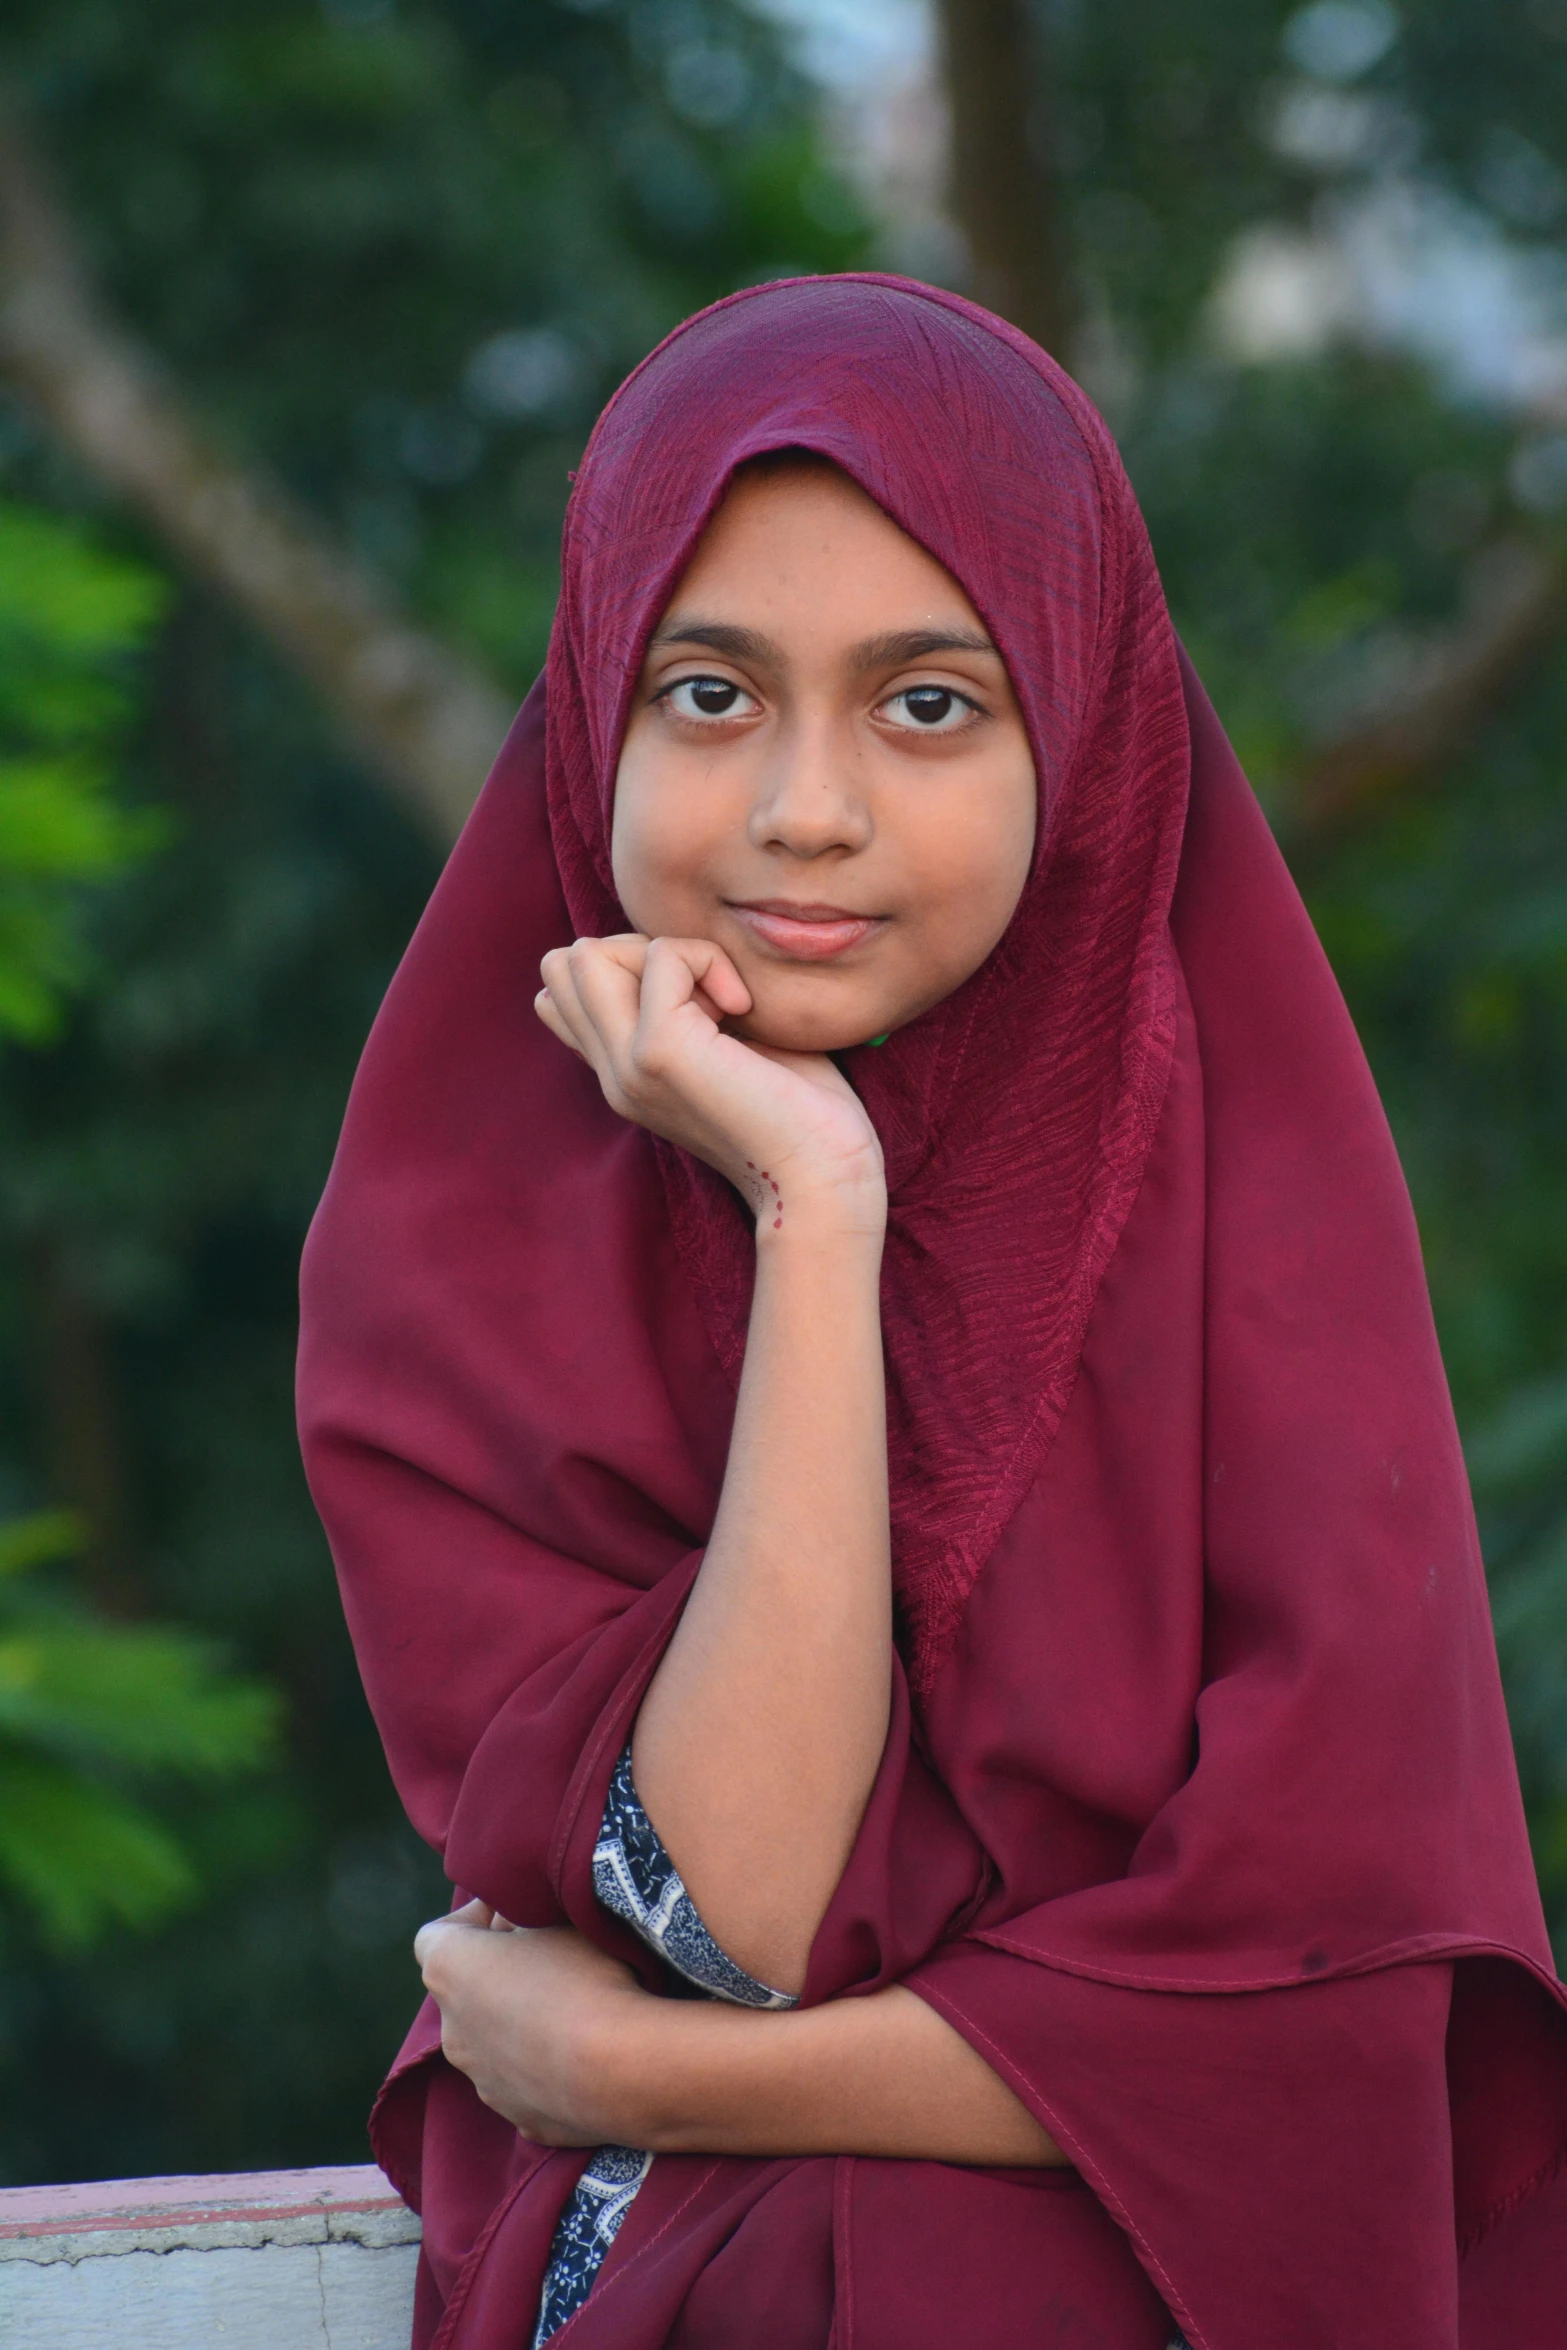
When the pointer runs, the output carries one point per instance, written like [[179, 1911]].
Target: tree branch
[[1007, 206], [1003, 192], [1463, 680], [428, 722]]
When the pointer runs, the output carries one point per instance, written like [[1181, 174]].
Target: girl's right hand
[[787, 1129]]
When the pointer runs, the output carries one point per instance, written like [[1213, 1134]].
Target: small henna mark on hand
[[759, 1199]]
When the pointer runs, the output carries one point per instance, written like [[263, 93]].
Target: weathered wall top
[[265, 2260]]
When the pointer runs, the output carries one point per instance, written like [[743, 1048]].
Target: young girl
[[888, 1459]]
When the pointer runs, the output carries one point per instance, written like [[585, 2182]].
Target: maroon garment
[[1198, 1815]]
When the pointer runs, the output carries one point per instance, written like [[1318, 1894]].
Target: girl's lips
[[807, 934]]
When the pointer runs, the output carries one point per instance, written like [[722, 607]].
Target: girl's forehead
[[778, 531]]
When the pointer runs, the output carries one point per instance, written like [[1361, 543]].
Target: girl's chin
[[803, 1035]]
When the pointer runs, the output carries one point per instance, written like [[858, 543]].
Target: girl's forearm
[[884, 2075], [759, 1739]]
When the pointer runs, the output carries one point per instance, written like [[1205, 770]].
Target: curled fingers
[[679, 971], [589, 1001], [558, 1006]]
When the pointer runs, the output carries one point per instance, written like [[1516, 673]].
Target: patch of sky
[[854, 47], [1339, 40], [522, 373]]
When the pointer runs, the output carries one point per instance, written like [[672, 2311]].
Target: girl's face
[[825, 771]]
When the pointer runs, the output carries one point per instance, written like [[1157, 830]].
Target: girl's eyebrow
[[719, 636], [917, 644], [891, 651]]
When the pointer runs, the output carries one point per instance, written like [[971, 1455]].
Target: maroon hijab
[[1198, 1814]]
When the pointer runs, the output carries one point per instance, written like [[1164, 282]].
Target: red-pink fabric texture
[[1198, 1815]]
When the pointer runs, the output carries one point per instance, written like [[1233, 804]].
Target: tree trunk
[[82, 1428], [1004, 192]]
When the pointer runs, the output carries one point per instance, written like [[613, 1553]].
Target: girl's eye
[[709, 697], [932, 709]]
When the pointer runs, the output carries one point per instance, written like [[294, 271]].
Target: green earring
[[881, 1039]]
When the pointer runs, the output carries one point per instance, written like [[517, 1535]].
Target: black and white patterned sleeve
[[634, 1878]]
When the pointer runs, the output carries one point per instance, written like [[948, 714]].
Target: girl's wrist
[[823, 1216], [629, 2070], [608, 2063], [671, 2066]]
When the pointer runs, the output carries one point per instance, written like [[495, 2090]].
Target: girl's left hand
[[533, 2016]]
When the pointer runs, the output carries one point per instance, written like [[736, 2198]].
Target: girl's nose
[[809, 799]]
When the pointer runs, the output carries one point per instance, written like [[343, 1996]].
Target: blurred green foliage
[[71, 617], [402, 253], [84, 1703]]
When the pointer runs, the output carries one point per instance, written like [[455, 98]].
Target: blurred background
[[306, 307]]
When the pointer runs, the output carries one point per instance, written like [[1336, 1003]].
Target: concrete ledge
[[265, 2260]]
